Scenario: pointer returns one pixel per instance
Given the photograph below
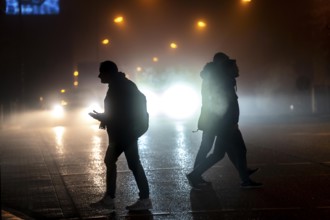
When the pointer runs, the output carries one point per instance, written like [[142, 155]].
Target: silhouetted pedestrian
[[121, 120], [219, 121]]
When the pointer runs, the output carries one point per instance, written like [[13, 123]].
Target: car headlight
[[180, 101], [153, 101], [58, 111]]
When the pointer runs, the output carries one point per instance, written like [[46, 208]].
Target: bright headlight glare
[[180, 101], [58, 111], [153, 101]]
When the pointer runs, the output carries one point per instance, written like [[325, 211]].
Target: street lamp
[[105, 41], [155, 59], [173, 45], [201, 24], [119, 19]]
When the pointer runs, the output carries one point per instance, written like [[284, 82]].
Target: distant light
[[201, 24], [58, 111], [118, 19], [76, 73], [180, 101], [75, 83], [35, 7], [139, 69], [155, 59], [63, 102], [41, 98], [291, 107], [246, 1], [105, 41], [173, 45], [63, 91]]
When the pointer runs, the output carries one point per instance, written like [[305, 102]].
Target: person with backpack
[[219, 122], [125, 118]]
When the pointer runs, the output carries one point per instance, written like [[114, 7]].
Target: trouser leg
[[134, 164], [112, 154], [205, 147], [237, 154], [217, 155]]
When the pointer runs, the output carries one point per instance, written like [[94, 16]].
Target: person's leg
[[237, 153], [113, 152], [218, 153], [134, 164], [205, 147]]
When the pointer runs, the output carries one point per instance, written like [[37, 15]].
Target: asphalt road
[[55, 172]]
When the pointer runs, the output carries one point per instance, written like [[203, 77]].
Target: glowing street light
[[173, 45], [63, 91], [119, 19], [105, 41], [155, 59], [76, 73], [139, 69], [201, 24], [246, 1]]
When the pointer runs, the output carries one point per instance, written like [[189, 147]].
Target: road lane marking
[[298, 163], [314, 134], [240, 210]]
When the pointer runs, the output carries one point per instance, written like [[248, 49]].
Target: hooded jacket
[[219, 99]]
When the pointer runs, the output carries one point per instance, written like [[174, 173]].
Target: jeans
[[130, 148]]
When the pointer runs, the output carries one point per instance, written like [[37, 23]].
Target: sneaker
[[106, 202], [252, 171], [251, 185], [204, 182], [140, 205], [195, 184]]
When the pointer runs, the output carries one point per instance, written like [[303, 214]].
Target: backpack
[[141, 124]]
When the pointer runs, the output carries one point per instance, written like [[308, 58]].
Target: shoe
[[252, 171], [195, 184], [204, 182], [251, 185], [140, 205], [105, 203]]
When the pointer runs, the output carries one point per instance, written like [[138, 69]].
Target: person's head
[[108, 70], [220, 57]]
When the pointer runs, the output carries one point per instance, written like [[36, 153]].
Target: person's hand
[[96, 115]]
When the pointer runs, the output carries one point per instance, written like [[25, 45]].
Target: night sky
[[273, 41]]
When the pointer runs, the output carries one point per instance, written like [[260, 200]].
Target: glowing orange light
[[245, 1], [75, 83], [155, 59], [105, 41], [201, 24], [173, 45], [118, 19]]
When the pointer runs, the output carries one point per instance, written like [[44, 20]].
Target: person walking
[[121, 120], [219, 122]]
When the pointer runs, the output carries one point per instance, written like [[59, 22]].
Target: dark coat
[[122, 108], [220, 108]]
